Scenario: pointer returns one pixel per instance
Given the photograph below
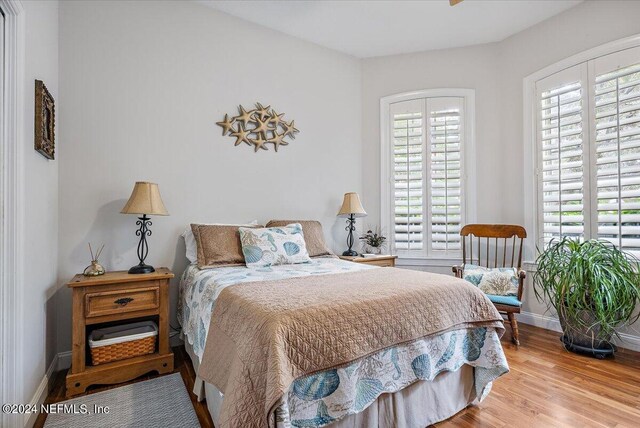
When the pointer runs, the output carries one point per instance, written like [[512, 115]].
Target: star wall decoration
[[258, 127], [226, 124]]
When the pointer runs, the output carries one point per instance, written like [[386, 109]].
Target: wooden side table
[[118, 296], [382, 260]]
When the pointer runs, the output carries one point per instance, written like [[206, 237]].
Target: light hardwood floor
[[547, 387], [550, 387]]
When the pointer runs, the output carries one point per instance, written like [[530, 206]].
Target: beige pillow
[[218, 245], [313, 236], [191, 249]]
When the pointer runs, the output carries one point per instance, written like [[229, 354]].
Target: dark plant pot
[[581, 339]]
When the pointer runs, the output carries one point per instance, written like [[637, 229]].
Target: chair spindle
[[504, 254], [487, 252]]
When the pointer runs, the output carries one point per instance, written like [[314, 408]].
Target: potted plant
[[373, 241], [594, 288]]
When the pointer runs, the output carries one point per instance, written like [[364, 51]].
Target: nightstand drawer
[[381, 260], [121, 301], [381, 263]]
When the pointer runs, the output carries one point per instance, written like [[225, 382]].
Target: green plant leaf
[[574, 276]]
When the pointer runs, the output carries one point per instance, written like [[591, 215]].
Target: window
[[561, 135], [424, 140], [588, 139]]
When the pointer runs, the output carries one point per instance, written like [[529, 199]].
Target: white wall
[[143, 85], [41, 202], [585, 26], [473, 68], [496, 71]]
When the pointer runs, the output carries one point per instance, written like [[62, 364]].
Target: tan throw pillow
[[218, 245], [313, 236]]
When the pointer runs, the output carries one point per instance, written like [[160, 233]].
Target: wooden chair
[[488, 254]]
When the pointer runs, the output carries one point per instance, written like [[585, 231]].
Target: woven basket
[[121, 351]]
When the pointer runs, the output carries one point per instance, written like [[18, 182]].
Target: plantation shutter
[[589, 151], [427, 176], [445, 167], [616, 100], [407, 120], [561, 172]]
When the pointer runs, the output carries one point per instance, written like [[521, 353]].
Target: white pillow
[[190, 240]]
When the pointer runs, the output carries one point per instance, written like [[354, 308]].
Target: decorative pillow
[[498, 281], [313, 235], [274, 246], [217, 245], [191, 247]]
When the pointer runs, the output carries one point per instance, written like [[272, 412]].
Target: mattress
[[362, 382]]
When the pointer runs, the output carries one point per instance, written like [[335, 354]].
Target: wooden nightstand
[[118, 296], [383, 260]]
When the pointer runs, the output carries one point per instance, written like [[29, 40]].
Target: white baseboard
[[629, 341], [42, 392], [542, 321]]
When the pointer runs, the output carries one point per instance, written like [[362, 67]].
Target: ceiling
[[375, 28]]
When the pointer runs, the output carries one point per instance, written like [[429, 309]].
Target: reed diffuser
[[95, 268]]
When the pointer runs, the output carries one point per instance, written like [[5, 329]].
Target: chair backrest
[[492, 243]]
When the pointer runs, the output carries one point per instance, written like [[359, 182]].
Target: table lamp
[[351, 208], [145, 199]]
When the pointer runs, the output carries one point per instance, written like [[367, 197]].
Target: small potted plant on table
[[594, 288], [373, 241]]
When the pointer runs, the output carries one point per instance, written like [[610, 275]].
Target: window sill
[[529, 266], [429, 261]]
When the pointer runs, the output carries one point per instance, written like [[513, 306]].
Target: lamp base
[[141, 268], [350, 253]]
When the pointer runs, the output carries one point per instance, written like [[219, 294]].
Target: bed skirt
[[421, 404]]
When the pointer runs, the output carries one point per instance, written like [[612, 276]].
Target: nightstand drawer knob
[[124, 301]]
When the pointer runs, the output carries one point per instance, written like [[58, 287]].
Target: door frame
[[11, 215]]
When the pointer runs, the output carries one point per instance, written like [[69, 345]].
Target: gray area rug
[[160, 402]]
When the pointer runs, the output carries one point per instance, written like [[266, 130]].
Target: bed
[[413, 382]]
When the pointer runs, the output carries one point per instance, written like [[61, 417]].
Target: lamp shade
[[351, 205], [145, 199]]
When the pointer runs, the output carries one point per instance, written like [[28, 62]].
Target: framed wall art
[[45, 118]]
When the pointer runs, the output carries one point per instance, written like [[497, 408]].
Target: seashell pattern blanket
[[263, 336]]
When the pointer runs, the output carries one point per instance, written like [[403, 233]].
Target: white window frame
[[531, 149], [468, 156]]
